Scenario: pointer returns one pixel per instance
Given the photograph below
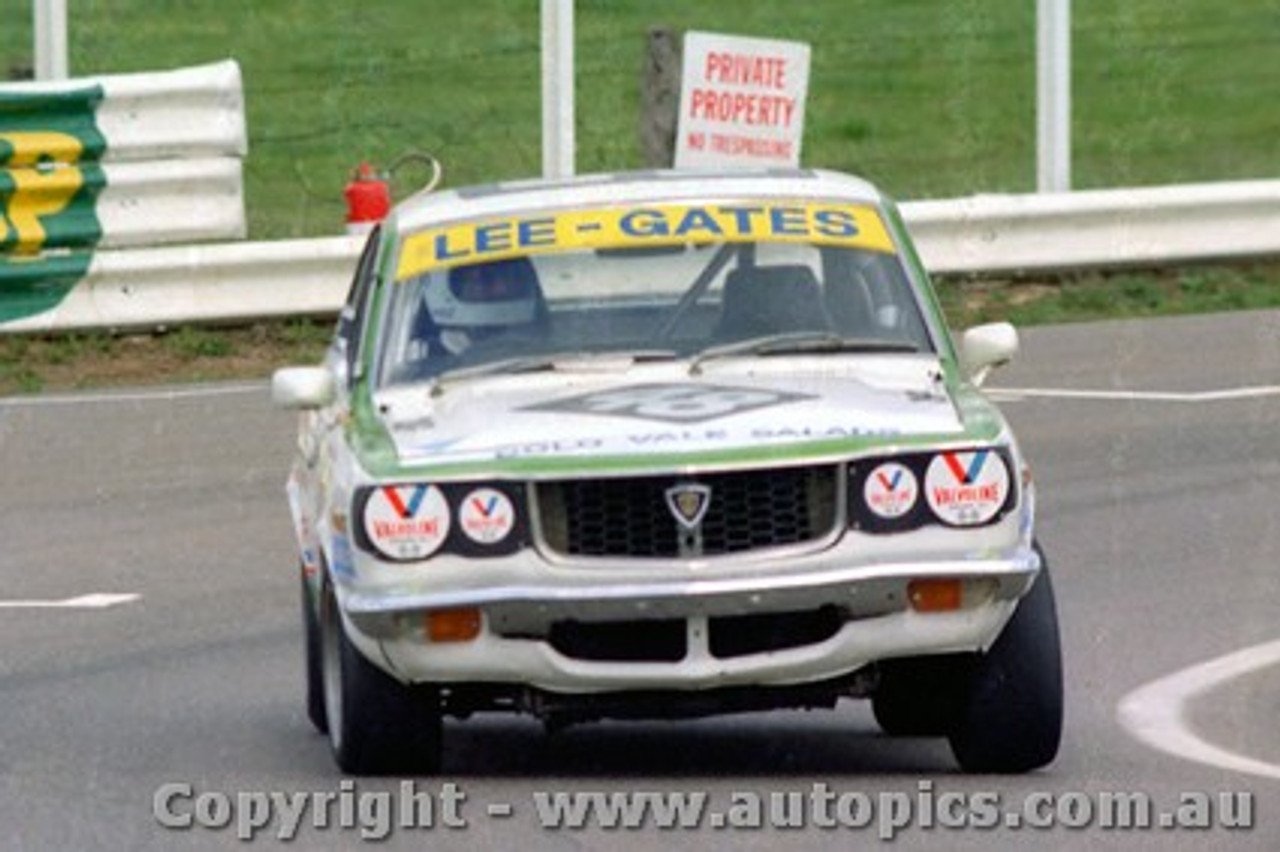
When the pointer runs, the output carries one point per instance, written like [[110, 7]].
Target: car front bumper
[[521, 602]]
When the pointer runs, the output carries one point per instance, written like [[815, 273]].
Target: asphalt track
[[1155, 446]]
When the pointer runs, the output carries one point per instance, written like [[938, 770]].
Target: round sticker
[[487, 516], [891, 490], [407, 521], [965, 489]]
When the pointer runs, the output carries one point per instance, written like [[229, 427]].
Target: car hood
[[734, 410]]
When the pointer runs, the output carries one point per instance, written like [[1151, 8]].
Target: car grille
[[746, 511]]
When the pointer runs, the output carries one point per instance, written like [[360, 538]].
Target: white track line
[[1012, 394], [159, 394], [94, 601], [1156, 713]]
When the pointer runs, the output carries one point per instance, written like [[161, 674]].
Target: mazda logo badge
[[688, 503]]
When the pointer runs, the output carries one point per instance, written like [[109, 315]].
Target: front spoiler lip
[[863, 590]]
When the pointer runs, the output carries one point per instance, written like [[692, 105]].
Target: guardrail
[[122, 160], [160, 287], [979, 235], [118, 161], [187, 112], [1148, 226]]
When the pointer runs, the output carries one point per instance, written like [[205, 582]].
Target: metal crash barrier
[[112, 162]]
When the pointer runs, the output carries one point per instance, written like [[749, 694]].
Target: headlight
[[956, 488], [891, 491], [486, 516], [414, 521], [967, 489], [406, 522]]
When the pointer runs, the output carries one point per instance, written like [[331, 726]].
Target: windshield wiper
[[800, 342], [548, 361]]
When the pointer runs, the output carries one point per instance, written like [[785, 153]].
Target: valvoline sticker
[[966, 488], [486, 516], [407, 521], [891, 490], [857, 226]]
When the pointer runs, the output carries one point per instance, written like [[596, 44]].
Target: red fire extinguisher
[[368, 199]]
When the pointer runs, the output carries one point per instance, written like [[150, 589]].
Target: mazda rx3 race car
[[662, 445]]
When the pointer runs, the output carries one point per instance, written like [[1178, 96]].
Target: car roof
[[590, 190]]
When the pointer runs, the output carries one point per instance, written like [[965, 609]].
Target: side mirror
[[985, 347], [301, 388]]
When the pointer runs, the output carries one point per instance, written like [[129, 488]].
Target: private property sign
[[741, 102]]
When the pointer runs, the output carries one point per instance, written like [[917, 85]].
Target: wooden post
[[660, 98]]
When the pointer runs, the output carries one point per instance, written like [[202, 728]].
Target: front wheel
[[314, 663], [1011, 718], [377, 725]]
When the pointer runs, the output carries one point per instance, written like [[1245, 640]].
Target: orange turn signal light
[[935, 595], [453, 625]]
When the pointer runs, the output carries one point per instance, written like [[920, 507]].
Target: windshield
[[565, 302]]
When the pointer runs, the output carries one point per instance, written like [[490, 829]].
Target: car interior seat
[[762, 300]]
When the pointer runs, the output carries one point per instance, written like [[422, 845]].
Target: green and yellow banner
[[50, 178], [50, 172]]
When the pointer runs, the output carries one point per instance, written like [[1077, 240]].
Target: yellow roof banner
[[848, 225]]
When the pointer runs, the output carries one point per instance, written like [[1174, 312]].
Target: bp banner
[[91, 162], [50, 177], [50, 174]]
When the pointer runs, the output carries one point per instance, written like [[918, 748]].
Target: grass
[[928, 99], [1097, 295], [189, 343], [100, 359]]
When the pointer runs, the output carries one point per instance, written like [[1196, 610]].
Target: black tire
[[377, 725], [921, 696], [1012, 716], [315, 671]]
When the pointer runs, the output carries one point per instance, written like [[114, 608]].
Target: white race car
[[660, 445]]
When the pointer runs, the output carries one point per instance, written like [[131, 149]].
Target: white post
[[1053, 95], [557, 88], [51, 39]]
